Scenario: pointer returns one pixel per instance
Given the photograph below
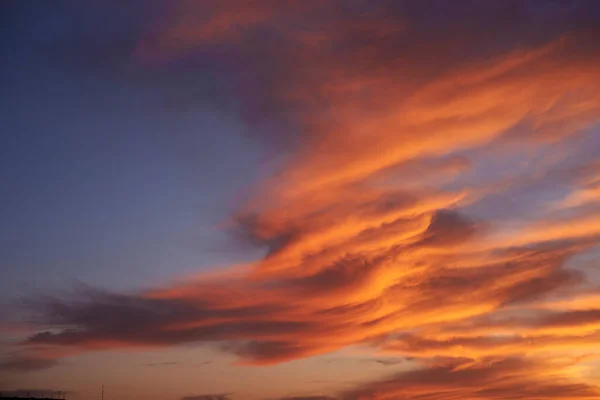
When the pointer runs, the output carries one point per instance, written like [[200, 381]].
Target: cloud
[[386, 361], [488, 378], [410, 131], [447, 228], [220, 396], [308, 398], [282, 323], [26, 364], [508, 378], [163, 364]]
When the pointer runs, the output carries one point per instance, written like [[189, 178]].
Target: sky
[[300, 200]]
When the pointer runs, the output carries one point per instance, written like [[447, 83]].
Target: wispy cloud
[[162, 364], [27, 363], [178, 364], [221, 396], [483, 379], [386, 361], [308, 398]]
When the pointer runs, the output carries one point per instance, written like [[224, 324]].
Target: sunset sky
[[300, 199]]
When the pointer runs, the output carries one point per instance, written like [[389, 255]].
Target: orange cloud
[[509, 378]]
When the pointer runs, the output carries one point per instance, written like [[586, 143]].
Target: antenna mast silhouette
[[102, 392]]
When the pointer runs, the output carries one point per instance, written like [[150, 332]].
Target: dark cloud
[[571, 318], [26, 364], [177, 364], [346, 273], [447, 228], [308, 398], [271, 351], [94, 316], [387, 361], [273, 58], [220, 396], [163, 364]]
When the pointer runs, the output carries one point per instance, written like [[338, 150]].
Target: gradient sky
[[301, 200]]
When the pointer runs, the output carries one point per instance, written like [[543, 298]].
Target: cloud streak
[[485, 379], [221, 396]]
